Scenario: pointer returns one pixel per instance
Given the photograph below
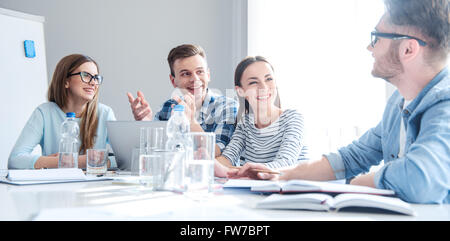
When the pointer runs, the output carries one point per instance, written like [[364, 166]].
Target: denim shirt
[[422, 175]]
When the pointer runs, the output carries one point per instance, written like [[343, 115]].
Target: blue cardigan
[[43, 128]]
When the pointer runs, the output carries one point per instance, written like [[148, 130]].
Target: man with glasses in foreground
[[410, 48]]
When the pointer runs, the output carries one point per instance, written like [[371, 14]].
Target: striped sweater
[[279, 145]]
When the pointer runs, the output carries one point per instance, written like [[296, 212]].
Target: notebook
[[47, 176], [346, 201], [299, 186], [245, 183]]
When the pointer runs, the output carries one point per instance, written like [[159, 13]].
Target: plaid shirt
[[217, 114]]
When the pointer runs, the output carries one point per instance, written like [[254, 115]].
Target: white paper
[[59, 174], [245, 183]]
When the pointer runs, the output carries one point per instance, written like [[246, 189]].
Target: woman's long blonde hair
[[58, 93]]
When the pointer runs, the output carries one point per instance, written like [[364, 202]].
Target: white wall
[[130, 40], [24, 80], [322, 67]]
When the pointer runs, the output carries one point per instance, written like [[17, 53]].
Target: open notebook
[[303, 186], [47, 176], [347, 201]]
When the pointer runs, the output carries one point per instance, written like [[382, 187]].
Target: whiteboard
[[23, 80]]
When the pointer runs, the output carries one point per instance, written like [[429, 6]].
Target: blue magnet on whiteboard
[[29, 48]]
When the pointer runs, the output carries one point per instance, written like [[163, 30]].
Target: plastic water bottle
[[68, 146], [178, 140], [178, 127]]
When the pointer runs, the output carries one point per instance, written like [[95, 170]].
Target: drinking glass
[[200, 167], [96, 161], [168, 170], [146, 169], [151, 138]]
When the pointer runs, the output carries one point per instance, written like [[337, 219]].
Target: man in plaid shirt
[[206, 111]]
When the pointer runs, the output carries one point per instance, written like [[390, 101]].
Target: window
[[323, 69]]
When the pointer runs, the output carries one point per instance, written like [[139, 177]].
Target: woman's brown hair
[[58, 93], [244, 106]]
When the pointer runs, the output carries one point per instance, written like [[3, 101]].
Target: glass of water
[[168, 170], [96, 161], [151, 138], [146, 169], [200, 167]]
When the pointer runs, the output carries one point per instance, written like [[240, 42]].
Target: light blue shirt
[[422, 175], [43, 128]]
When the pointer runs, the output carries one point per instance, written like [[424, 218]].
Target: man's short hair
[[429, 17], [183, 51]]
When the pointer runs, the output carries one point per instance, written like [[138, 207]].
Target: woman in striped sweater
[[264, 133]]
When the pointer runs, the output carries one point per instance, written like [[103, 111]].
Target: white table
[[109, 200]]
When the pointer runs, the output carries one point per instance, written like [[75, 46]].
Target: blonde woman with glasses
[[74, 88]]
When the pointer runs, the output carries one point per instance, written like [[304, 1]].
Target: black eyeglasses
[[374, 37], [87, 78]]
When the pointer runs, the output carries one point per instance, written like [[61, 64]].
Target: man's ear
[[172, 80], [209, 74], [409, 50]]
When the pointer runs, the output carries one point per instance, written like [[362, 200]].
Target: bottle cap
[[70, 114], [179, 108]]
